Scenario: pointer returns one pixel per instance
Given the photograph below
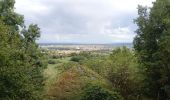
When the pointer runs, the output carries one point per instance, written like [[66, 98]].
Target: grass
[[65, 79], [69, 84], [52, 72]]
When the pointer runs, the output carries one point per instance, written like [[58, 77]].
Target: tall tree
[[21, 62], [9, 16], [152, 46]]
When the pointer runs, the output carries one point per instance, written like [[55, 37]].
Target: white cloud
[[122, 34], [82, 20]]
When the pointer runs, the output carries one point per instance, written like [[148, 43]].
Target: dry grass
[[67, 85]]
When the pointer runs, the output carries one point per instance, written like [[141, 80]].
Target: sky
[[82, 21]]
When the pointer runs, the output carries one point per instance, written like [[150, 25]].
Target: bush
[[93, 92], [77, 58], [51, 62], [124, 73], [85, 54], [99, 64], [66, 66], [55, 56], [73, 54]]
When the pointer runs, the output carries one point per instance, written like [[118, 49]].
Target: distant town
[[77, 48]]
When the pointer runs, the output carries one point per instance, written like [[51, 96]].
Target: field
[[66, 76], [70, 70]]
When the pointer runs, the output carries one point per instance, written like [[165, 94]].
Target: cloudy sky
[[82, 21]]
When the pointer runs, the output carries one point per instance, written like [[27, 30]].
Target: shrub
[[94, 92], [77, 58], [55, 56], [85, 54], [66, 66], [123, 73], [51, 62], [73, 54]]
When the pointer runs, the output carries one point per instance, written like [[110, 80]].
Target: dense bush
[[123, 72], [66, 65], [77, 58], [98, 63], [21, 62], [51, 62], [55, 57], [94, 92], [121, 69], [85, 54]]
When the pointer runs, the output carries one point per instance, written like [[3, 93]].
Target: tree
[[8, 15], [21, 62], [152, 47], [123, 73]]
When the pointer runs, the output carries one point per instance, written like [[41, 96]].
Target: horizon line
[[83, 43]]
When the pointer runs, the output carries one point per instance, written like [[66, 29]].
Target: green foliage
[[77, 58], [85, 54], [51, 62], [98, 63], [152, 47], [11, 18], [120, 68], [66, 86], [94, 92], [21, 62], [55, 57], [66, 65], [67, 78], [123, 72]]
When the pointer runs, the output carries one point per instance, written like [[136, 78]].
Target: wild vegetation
[[21, 62], [140, 73], [152, 48]]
